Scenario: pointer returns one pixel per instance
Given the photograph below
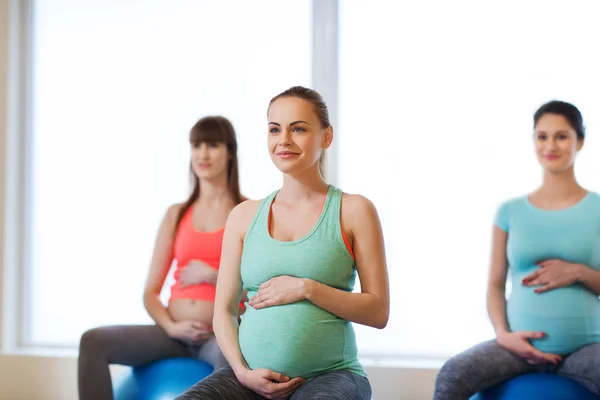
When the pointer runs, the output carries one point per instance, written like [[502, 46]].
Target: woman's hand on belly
[[190, 332], [270, 384], [196, 272], [553, 274], [278, 291], [518, 343]]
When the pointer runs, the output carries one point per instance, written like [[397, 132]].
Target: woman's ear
[[327, 137]]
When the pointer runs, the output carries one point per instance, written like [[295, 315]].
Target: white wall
[[47, 376]]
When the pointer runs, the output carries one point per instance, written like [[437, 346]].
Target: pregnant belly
[[298, 339], [192, 310], [569, 317]]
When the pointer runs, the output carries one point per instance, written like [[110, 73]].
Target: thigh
[[221, 385], [583, 366], [335, 385], [133, 345], [481, 367], [211, 353]]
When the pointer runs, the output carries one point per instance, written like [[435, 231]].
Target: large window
[[117, 86], [435, 126]]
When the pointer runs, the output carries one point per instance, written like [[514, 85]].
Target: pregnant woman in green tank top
[[298, 252]]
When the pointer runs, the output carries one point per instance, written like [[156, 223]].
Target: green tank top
[[298, 339]]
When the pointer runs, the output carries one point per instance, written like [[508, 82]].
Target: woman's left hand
[[278, 291], [553, 274]]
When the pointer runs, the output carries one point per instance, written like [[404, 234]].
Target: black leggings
[[488, 364], [132, 345], [334, 385]]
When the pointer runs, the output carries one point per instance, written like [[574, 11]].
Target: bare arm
[[229, 286], [590, 278], [372, 305], [496, 293], [162, 258]]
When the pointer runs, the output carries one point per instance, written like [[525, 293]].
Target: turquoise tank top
[[298, 339], [570, 316]]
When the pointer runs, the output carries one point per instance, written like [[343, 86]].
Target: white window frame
[[15, 256], [325, 67]]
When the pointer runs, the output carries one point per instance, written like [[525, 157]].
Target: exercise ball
[[537, 386], [160, 380]]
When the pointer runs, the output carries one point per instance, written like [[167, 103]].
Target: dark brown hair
[[567, 110], [214, 129], [319, 106]]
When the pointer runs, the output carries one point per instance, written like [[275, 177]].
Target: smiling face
[[296, 139], [556, 142]]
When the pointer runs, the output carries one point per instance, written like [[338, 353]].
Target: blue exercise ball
[[160, 380], [537, 386]]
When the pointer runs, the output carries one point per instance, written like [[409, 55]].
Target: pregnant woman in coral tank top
[[190, 236]]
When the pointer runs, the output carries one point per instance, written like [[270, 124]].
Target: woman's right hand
[[190, 332], [269, 384], [518, 343]]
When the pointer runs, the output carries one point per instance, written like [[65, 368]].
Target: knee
[[453, 372], [338, 385], [91, 340]]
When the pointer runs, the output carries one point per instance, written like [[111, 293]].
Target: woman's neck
[[559, 185], [303, 186], [214, 191]]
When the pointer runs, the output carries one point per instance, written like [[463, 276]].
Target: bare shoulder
[[173, 211], [245, 209], [356, 207], [241, 216]]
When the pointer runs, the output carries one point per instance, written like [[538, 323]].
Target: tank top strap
[[260, 222], [332, 207], [185, 225], [332, 220], [187, 216]]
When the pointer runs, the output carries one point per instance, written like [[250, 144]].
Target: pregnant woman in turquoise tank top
[[550, 243], [298, 252]]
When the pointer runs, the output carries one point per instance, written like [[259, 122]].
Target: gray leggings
[[334, 385], [487, 364], [133, 345]]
